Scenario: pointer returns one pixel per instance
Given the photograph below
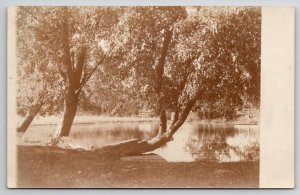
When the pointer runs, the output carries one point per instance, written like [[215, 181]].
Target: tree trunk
[[32, 112], [159, 83], [72, 78], [140, 146], [70, 107], [162, 123]]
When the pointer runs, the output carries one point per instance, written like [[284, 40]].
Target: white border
[[277, 98], [11, 104]]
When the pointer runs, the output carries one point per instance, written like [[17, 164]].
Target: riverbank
[[43, 166], [93, 119]]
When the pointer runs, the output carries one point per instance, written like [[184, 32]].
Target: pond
[[194, 141]]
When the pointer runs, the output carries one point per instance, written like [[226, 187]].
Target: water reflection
[[213, 142], [98, 135], [192, 142]]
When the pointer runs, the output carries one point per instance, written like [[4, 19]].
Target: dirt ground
[[43, 166]]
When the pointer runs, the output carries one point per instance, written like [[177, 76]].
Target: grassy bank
[[41, 166]]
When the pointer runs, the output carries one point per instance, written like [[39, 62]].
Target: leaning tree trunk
[[70, 107], [32, 112], [159, 82], [140, 146]]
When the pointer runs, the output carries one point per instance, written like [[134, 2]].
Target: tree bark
[[159, 82], [70, 108], [163, 123], [32, 112]]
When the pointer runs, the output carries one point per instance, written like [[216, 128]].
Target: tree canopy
[[121, 59]]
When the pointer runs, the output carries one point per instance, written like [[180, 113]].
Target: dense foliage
[[123, 59]]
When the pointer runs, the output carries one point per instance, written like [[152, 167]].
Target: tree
[[84, 28], [144, 49], [219, 51], [70, 39], [38, 83], [35, 95]]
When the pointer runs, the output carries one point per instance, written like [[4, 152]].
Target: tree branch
[[181, 117], [79, 67], [161, 62], [87, 76], [66, 44]]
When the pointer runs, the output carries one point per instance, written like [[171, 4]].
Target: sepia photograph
[[136, 97]]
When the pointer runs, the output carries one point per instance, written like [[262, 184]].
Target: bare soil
[[52, 167]]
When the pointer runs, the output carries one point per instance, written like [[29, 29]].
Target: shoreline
[[87, 120]]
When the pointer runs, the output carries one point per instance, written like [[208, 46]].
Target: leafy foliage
[[213, 56]]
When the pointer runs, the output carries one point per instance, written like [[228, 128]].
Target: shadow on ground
[[49, 167]]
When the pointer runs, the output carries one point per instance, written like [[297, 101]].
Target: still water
[[192, 142]]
